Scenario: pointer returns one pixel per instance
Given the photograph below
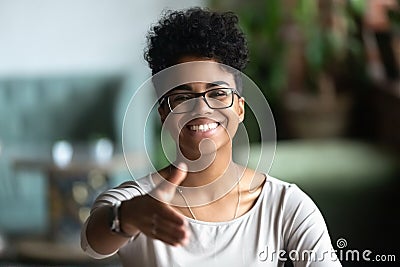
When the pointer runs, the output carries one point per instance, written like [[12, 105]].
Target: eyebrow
[[186, 87]]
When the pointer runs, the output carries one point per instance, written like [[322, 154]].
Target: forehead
[[207, 72]]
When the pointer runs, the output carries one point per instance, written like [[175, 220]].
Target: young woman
[[204, 209]]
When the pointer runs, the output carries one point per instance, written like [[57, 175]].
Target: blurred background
[[329, 69]]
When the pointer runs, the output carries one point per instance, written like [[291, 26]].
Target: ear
[[240, 108]]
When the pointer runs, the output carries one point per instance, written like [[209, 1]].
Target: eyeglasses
[[217, 98]]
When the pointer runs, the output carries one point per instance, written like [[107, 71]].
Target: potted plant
[[300, 51], [316, 102]]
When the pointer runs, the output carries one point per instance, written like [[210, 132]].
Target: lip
[[201, 121]]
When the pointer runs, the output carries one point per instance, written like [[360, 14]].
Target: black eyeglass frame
[[197, 95]]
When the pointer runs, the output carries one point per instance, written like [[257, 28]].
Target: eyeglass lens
[[215, 99]]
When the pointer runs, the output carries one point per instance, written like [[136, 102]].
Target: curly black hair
[[196, 32]]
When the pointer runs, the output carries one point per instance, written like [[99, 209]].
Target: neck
[[209, 168]]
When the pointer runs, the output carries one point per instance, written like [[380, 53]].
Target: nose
[[200, 106]]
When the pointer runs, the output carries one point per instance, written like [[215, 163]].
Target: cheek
[[232, 124], [171, 126], [173, 132], [234, 117], [232, 129]]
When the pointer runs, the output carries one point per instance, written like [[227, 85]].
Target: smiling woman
[[204, 209]]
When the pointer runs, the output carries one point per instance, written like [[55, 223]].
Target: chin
[[205, 148]]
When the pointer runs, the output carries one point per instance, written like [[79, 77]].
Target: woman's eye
[[219, 93], [181, 98]]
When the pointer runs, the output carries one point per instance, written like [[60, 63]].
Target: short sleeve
[[306, 235]]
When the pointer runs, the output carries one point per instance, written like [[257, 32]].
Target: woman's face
[[203, 130]]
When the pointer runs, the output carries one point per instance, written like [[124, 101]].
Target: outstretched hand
[[153, 216]]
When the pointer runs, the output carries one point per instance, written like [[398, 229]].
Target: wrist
[[116, 221], [126, 222]]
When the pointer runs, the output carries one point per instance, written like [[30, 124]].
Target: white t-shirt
[[284, 222]]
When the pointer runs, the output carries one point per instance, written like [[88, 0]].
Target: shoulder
[[281, 196], [298, 212], [276, 191], [289, 192], [292, 204], [254, 180]]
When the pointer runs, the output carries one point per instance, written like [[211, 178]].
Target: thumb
[[178, 174], [167, 188]]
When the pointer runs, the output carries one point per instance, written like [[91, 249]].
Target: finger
[[171, 232], [147, 206], [172, 215], [178, 174], [168, 232], [166, 190], [170, 239], [153, 206]]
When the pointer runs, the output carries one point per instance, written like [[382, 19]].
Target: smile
[[203, 127]]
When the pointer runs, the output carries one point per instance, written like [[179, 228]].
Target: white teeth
[[203, 127]]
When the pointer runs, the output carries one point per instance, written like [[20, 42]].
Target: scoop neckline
[[240, 218]]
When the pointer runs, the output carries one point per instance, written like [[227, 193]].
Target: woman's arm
[[99, 236], [138, 214]]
